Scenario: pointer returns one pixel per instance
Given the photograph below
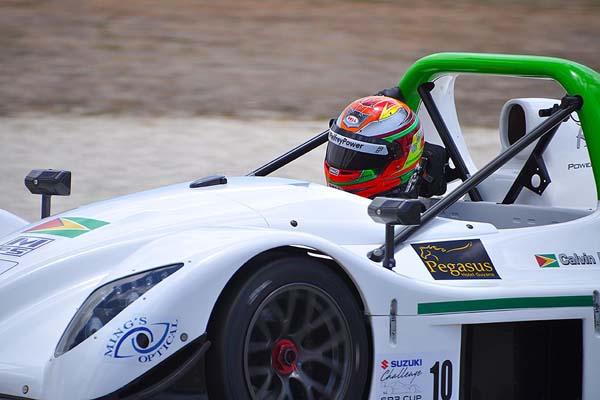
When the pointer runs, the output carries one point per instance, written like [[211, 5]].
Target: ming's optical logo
[[142, 340], [22, 245], [456, 259]]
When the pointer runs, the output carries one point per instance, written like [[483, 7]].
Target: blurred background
[[135, 94]]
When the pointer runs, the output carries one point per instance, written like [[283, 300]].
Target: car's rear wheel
[[292, 330]]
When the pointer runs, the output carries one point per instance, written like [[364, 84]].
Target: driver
[[375, 149]]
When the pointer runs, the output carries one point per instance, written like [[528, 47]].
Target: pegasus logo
[[429, 252], [456, 259]]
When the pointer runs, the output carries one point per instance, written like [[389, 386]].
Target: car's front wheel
[[292, 330]]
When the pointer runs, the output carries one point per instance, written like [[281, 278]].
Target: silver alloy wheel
[[298, 346]]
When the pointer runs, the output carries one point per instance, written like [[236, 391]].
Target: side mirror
[[48, 183], [386, 210], [390, 211]]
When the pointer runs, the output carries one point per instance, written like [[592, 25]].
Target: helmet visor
[[351, 153]]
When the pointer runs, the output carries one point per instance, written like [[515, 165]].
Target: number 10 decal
[[442, 380]]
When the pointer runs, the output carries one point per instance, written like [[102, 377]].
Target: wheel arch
[[285, 251]]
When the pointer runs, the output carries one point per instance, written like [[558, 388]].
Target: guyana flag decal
[[547, 260], [68, 227]]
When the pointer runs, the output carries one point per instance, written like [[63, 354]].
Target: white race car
[[267, 288]]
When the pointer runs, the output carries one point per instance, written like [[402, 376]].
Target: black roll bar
[[534, 165], [567, 106], [291, 155], [436, 117]]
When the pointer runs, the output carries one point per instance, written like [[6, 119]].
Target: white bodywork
[[215, 230], [10, 222]]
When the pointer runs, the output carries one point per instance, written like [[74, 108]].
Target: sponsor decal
[[414, 376], [417, 142], [345, 142], [22, 245], [5, 265], [351, 120], [580, 139], [547, 260], [574, 259], [400, 378], [415, 362], [334, 171], [456, 259], [575, 166], [354, 118], [581, 143], [357, 145], [141, 340], [68, 227]]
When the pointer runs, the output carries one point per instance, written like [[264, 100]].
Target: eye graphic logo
[[385, 364], [140, 339], [456, 259]]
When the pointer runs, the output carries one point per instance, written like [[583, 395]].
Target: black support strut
[[291, 155], [568, 105], [534, 165], [436, 117]]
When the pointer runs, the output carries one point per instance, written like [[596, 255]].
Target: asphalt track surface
[[111, 156]]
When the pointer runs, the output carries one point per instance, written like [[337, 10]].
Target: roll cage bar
[[580, 82], [568, 105]]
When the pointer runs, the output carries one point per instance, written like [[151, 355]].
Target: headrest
[[520, 116], [566, 158]]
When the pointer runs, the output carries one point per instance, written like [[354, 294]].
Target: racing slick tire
[[291, 330]]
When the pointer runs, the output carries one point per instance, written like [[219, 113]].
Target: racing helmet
[[374, 147]]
